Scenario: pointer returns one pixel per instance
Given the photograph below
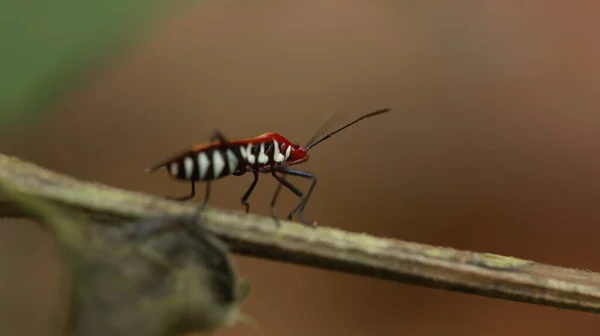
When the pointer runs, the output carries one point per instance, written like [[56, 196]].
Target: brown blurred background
[[493, 146]]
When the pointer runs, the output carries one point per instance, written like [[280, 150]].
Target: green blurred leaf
[[47, 45]]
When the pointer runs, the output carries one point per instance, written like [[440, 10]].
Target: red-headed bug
[[267, 153]]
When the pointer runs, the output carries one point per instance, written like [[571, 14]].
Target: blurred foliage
[[166, 284], [47, 47]]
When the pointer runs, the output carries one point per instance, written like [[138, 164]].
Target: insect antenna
[[314, 143], [321, 128]]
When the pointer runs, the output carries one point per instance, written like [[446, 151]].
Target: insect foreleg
[[304, 199], [288, 185], [295, 190]]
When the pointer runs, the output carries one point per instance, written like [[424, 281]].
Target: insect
[[268, 153]]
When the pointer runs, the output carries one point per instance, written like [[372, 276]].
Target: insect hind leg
[[185, 198], [215, 136], [206, 195]]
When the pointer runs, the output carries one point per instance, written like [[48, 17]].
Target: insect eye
[[296, 145]]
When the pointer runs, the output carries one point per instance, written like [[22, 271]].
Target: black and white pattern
[[217, 162]]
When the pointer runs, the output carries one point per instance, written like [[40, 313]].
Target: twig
[[424, 265]]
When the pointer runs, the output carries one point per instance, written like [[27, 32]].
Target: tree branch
[[327, 248]]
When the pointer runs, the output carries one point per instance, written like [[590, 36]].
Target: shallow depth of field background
[[493, 146]]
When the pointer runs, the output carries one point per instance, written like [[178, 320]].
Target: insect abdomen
[[207, 165]]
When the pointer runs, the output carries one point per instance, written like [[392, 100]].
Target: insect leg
[[206, 194], [217, 135], [249, 191], [185, 198], [304, 199], [288, 185], [296, 191]]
